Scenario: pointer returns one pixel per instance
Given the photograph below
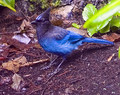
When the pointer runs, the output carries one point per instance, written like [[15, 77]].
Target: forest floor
[[91, 70]]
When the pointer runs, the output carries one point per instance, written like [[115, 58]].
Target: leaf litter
[[18, 82], [14, 65]]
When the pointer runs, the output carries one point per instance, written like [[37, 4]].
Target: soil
[[86, 72], [91, 70]]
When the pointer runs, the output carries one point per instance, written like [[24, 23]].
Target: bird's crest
[[44, 15]]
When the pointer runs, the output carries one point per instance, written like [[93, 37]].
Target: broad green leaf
[[105, 29], [8, 3], [89, 11], [76, 25], [119, 53], [92, 31], [102, 17], [117, 14], [96, 28], [115, 21]]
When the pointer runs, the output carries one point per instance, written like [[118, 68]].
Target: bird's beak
[[34, 22]]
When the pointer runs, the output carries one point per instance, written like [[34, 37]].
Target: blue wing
[[60, 34], [61, 41]]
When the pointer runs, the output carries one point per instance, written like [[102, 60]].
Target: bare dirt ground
[[86, 72]]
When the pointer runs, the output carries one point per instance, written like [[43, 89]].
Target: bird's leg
[[51, 64], [57, 69]]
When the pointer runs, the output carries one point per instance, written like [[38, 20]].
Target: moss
[[31, 8], [56, 3], [43, 4]]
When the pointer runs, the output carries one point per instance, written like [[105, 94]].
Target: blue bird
[[59, 41]]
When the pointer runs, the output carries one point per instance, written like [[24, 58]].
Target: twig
[[36, 62]]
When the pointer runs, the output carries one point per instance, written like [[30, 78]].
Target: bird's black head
[[44, 17]]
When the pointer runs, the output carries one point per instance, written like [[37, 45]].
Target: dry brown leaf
[[27, 27], [21, 46], [113, 37], [17, 80], [21, 61], [15, 64], [24, 24], [110, 58]]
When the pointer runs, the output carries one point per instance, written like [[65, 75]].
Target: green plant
[[56, 3], [119, 53], [102, 20], [8, 3], [76, 25], [43, 4]]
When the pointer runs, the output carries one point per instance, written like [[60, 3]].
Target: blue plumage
[[57, 40]]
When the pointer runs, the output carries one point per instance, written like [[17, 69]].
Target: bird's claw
[[47, 67], [55, 72], [44, 68]]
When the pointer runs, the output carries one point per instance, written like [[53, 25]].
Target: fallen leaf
[[2, 58], [21, 61], [24, 24], [17, 80], [12, 42], [110, 58], [112, 37], [15, 64]]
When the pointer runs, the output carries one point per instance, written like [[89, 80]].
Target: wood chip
[[110, 58]]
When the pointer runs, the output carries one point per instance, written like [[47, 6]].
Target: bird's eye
[[41, 20]]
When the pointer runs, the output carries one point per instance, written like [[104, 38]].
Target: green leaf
[[91, 31], [76, 25], [8, 3], [117, 14], [119, 53], [105, 29], [89, 11], [115, 21], [102, 17], [96, 28]]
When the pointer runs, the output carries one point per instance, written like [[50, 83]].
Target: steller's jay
[[59, 41]]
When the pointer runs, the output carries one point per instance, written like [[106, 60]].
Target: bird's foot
[[57, 69], [55, 72], [51, 64], [47, 67]]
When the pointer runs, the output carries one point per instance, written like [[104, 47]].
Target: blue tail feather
[[99, 41]]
